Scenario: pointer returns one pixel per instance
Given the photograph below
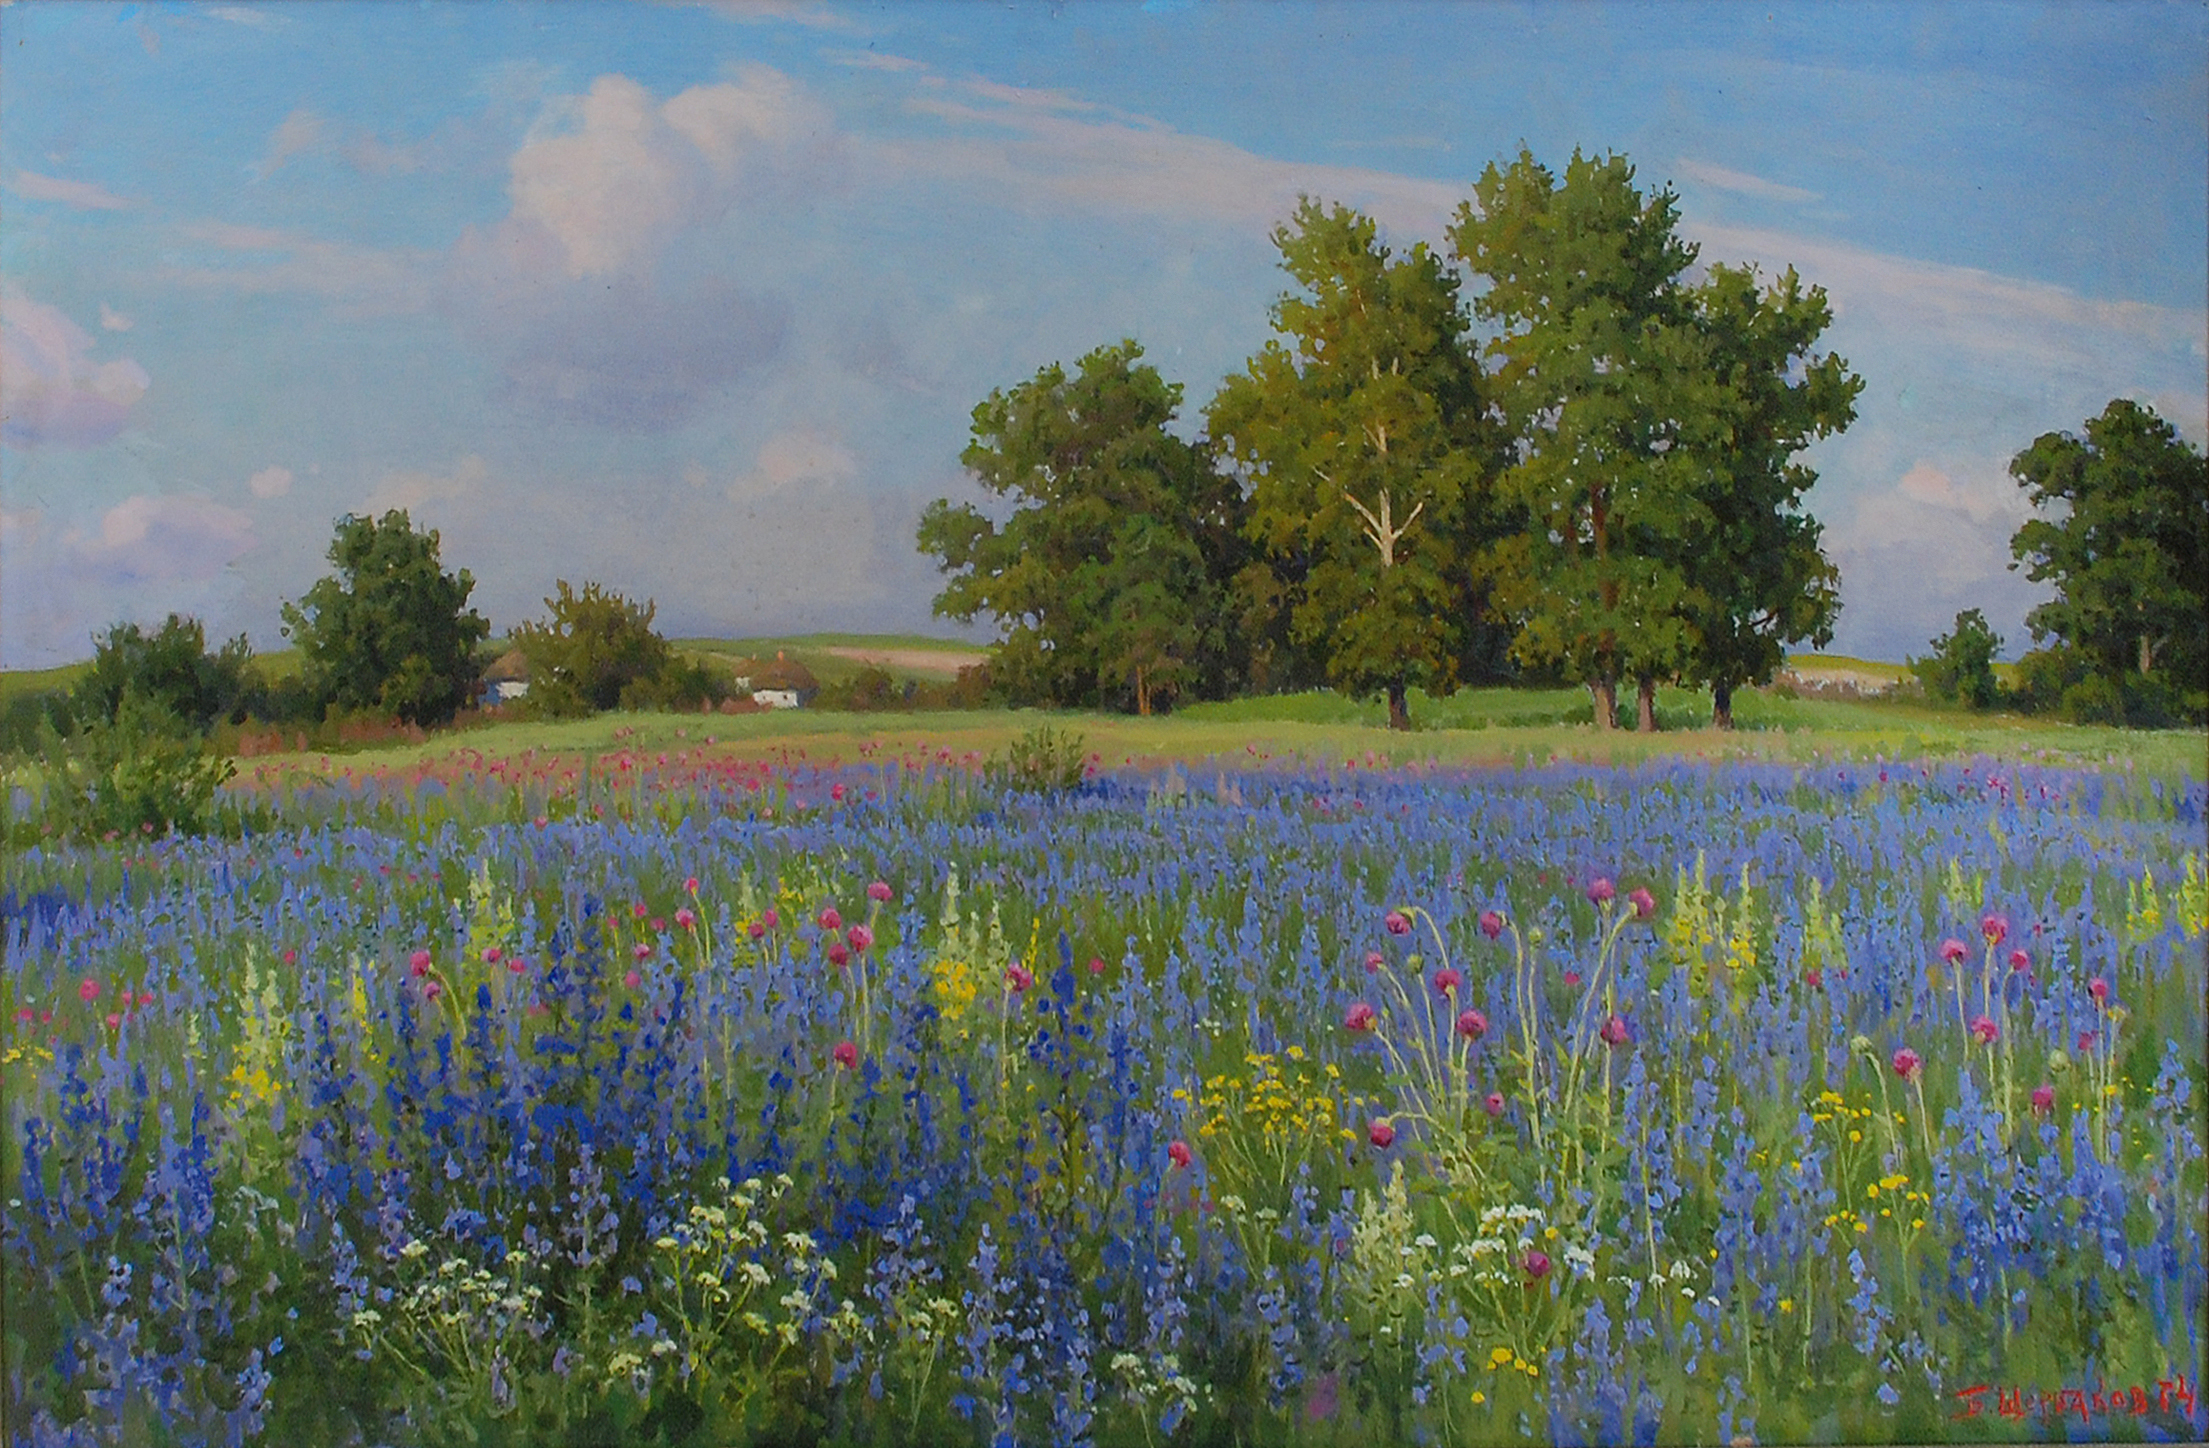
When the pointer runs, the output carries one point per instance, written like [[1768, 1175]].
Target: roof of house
[[779, 673], [509, 668]]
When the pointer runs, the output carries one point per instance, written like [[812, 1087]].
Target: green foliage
[[1043, 760], [598, 650], [1360, 432], [1961, 665], [390, 631], [170, 668], [142, 771], [1605, 379], [1109, 576], [2129, 556]]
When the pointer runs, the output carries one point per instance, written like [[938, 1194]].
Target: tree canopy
[[2128, 552], [390, 631], [592, 647], [170, 669], [1108, 577], [1359, 432]]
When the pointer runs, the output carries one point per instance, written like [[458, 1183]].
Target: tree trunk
[[1142, 694], [2147, 653], [1721, 705], [1399, 709], [1645, 705], [1605, 692]]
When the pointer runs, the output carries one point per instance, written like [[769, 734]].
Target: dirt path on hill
[[942, 662]]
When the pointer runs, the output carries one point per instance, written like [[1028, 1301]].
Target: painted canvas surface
[[599, 955]]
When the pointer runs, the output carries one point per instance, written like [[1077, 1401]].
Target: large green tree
[[2127, 549], [1359, 431], [1606, 381], [1109, 576], [390, 631], [1758, 579]]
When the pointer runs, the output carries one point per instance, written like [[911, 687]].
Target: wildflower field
[[693, 1100]]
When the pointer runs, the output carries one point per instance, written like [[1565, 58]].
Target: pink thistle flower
[[1572, 977], [419, 963], [846, 1054], [114, 1021], [1096, 965], [1447, 981], [1492, 1103], [2044, 1099], [1537, 1265], [1645, 904], [1395, 922], [641, 951], [1179, 1154], [658, 924], [770, 919], [1373, 962], [1953, 951], [1018, 978], [1380, 1133], [632, 980], [2088, 1040], [432, 989], [690, 885], [1359, 1017], [1814, 978], [1907, 1064], [638, 910], [1994, 928], [757, 929], [518, 966], [2098, 988], [291, 957], [837, 954], [879, 892], [686, 918], [1491, 924], [1613, 1031], [1601, 890], [830, 920], [1984, 1030], [861, 939], [89, 991], [1472, 1025], [2019, 960]]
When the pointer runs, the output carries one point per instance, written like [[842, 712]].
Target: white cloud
[[414, 491], [798, 458], [162, 536], [297, 132], [245, 15], [114, 321], [270, 482], [1719, 178], [84, 195], [51, 391], [364, 280], [872, 60]]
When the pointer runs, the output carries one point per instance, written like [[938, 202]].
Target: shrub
[[143, 771], [1962, 662], [1043, 760], [170, 667], [598, 650]]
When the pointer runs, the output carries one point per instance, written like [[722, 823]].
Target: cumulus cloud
[[84, 195], [148, 555], [51, 390], [270, 482]]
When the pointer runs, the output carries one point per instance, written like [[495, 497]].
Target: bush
[[1962, 663], [598, 650], [143, 771], [1043, 760], [171, 668]]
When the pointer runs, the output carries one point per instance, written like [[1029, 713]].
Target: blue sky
[[696, 300]]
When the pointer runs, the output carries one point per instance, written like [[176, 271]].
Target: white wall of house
[[775, 698]]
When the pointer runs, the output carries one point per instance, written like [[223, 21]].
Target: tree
[[1605, 379], [1109, 576], [391, 631], [1961, 665], [1758, 579], [595, 651], [2129, 556], [1359, 432], [169, 668]]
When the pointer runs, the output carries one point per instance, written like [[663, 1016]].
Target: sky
[[696, 300]]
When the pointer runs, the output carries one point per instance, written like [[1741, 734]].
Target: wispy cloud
[[300, 131], [258, 261], [808, 13], [1720, 178], [84, 195], [872, 60], [247, 15]]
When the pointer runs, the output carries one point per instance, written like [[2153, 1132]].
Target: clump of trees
[[1602, 484], [2125, 541], [598, 650], [1961, 666]]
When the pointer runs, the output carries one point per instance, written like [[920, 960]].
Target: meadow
[[1283, 1081]]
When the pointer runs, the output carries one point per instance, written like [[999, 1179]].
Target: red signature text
[[2169, 1395]]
